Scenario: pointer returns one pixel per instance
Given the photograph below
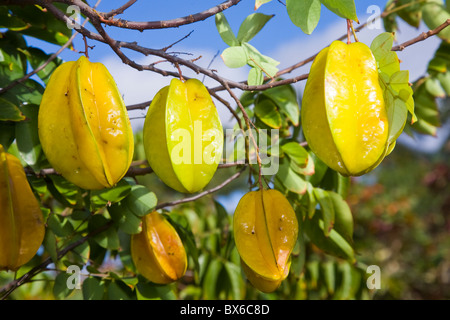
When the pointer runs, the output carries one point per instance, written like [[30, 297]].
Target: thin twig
[[422, 37], [119, 10], [202, 194]]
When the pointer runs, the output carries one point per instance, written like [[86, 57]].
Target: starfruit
[[183, 136], [21, 222], [84, 127], [157, 251], [343, 111], [265, 231]]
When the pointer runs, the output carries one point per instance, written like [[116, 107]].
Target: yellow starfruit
[[157, 251], [183, 136], [84, 127], [265, 231], [21, 222], [343, 113]]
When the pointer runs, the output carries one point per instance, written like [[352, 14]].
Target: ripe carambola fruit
[[265, 232], [21, 222], [183, 136], [343, 111], [84, 127], [157, 251]]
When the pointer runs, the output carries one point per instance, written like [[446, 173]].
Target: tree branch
[[119, 10], [204, 193], [163, 24], [422, 37]]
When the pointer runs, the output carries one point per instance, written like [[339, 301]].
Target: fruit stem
[[353, 31], [348, 32], [179, 71]]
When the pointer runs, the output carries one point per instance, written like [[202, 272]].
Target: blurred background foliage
[[402, 223]]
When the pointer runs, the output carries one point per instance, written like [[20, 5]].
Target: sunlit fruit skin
[[343, 111], [265, 231], [157, 251], [84, 127], [183, 136], [21, 222]]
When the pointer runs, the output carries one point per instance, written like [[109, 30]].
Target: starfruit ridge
[[265, 222], [343, 109], [20, 215], [157, 251], [183, 111], [84, 127]]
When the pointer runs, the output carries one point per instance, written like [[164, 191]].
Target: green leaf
[[259, 3], [50, 245], [125, 251], [329, 275], [11, 22], [63, 191], [290, 179], [251, 26], [257, 60], [151, 291], [307, 170], [395, 85], [236, 281], [82, 253], [7, 133], [343, 223], [140, 200], [286, 100], [328, 213], [126, 220], [37, 57], [10, 111], [444, 80], [27, 137], [296, 153], [411, 12], [344, 290], [255, 77], [312, 268], [181, 225], [334, 244], [343, 8], [234, 57], [108, 238], [225, 31], [60, 225], [118, 290], [28, 92], [312, 201], [304, 14], [93, 289], [427, 112], [43, 24], [434, 14], [60, 289], [267, 112], [211, 278], [108, 196]]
